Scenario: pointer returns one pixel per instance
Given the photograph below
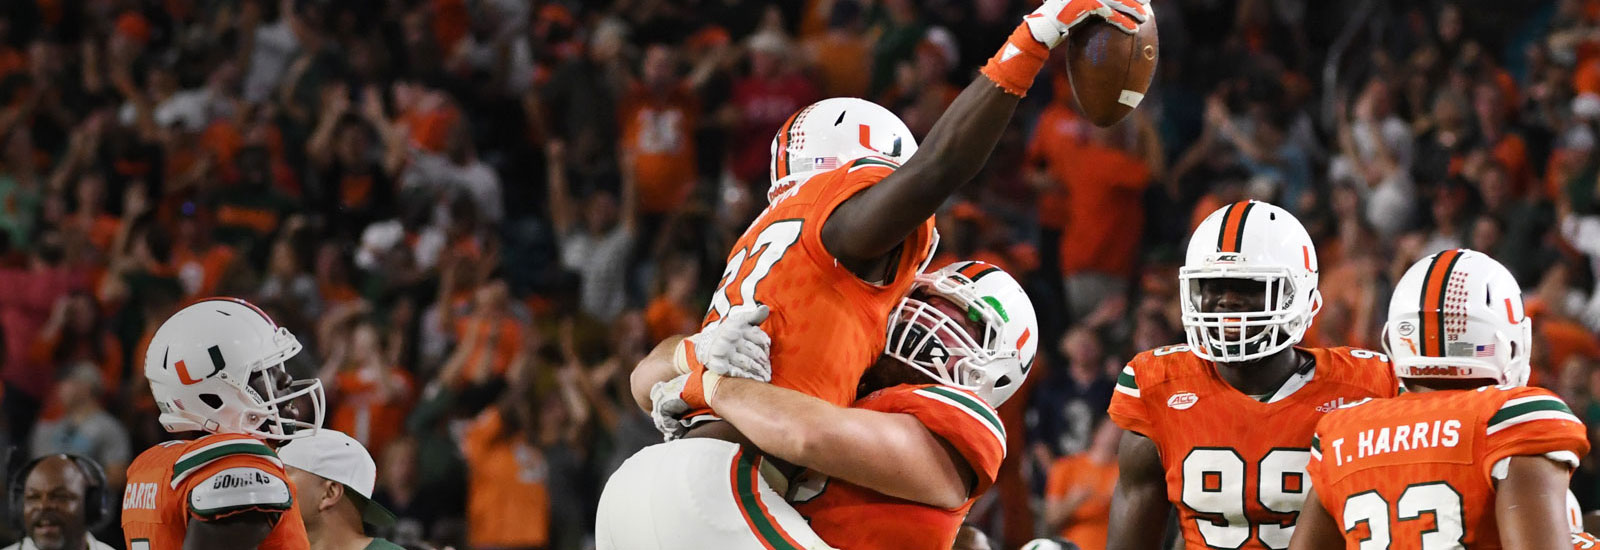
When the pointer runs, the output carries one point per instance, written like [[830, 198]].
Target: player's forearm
[[878, 218], [1139, 501], [886, 452], [655, 367], [1315, 529], [1531, 505]]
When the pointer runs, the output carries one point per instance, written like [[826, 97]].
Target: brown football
[[1109, 69]]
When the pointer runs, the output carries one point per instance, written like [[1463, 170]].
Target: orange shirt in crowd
[[1088, 524], [201, 274], [658, 130], [508, 503], [1060, 131], [665, 318], [365, 412], [843, 66], [1105, 189], [500, 339]]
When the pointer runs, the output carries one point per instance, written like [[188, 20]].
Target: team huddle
[[841, 392]]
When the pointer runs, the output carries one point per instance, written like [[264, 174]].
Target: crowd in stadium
[[479, 215]]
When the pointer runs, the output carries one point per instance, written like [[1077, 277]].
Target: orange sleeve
[[961, 419], [1128, 408], [1532, 422]]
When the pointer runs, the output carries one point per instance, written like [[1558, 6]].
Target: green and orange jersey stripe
[[1231, 238], [1434, 287], [747, 496]]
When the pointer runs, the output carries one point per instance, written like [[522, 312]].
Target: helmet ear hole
[[1002, 382], [211, 400]]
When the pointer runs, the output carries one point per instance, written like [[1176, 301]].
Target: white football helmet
[[1458, 314], [1255, 241], [929, 340], [208, 369], [832, 133]]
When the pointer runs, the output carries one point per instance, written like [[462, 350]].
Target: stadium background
[[478, 214]]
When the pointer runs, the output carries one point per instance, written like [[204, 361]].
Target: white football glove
[[735, 345], [1049, 24], [667, 407]]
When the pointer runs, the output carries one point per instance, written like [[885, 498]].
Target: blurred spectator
[[488, 339], [1375, 156], [762, 101], [1103, 179], [25, 308], [598, 244], [509, 502], [370, 395], [843, 53], [1070, 402], [657, 119], [1078, 493], [83, 427], [74, 335], [288, 282]]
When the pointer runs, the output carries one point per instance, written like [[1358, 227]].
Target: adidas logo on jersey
[[1182, 400], [1331, 405]]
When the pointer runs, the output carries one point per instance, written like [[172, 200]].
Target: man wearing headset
[[59, 499]]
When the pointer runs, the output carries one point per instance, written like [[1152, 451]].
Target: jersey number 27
[[769, 247]]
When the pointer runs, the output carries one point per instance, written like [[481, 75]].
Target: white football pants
[[696, 494]]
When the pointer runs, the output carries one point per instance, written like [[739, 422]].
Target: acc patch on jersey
[[237, 490]]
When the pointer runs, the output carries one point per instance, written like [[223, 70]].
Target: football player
[[900, 467], [1469, 456], [849, 225], [217, 367], [1220, 428]]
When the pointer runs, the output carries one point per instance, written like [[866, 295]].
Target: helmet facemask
[[277, 393], [1250, 335], [924, 336]]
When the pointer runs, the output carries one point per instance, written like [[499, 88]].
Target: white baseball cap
[[339, 458]]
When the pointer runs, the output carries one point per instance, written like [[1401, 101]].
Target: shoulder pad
[[206, 451], [237, 490]]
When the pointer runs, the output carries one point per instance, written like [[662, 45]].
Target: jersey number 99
[[1214, 486]]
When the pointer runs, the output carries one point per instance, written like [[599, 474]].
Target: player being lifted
[[217, 367], [899, 468], [1469, 457], [849, 226], [1220, 428]]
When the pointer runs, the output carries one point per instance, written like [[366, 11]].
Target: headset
[[96, 507]]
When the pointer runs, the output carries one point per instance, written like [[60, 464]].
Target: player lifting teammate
[[1470, 457], [849, 226], [900, 467], [217, 367], [1220, 427]]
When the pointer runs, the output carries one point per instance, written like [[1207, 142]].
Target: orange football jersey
[[1235, 466], [853, 517], [827, 325], [1415, 471], [157, 505]]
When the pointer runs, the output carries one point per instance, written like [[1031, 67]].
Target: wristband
[[683, 357], [1017, 63]]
